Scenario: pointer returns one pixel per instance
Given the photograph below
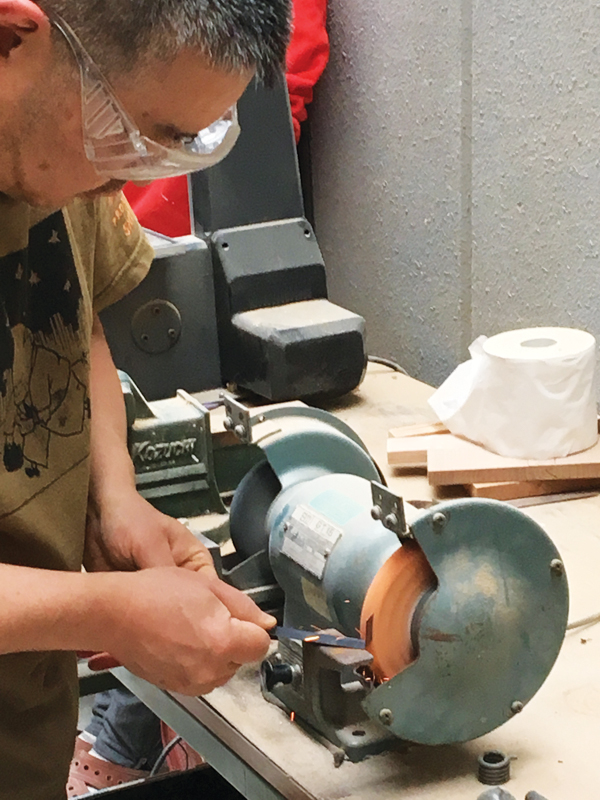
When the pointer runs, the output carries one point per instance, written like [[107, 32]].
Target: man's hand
[[183, 631], [186, 632], [128, 533]]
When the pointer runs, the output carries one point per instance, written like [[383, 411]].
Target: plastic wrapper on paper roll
[[527, 393]]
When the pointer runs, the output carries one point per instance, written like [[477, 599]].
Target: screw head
[[240, 431], [285, 526], [390, 521], [516, 707], [228, 423], [439, 521], [557, 566], [376, 512], [386, 716]]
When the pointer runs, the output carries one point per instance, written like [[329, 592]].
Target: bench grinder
[[399, 625]]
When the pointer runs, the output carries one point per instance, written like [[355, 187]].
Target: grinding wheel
[[389, 606], [251, 503]]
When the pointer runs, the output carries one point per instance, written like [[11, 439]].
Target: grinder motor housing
[[462, 607]]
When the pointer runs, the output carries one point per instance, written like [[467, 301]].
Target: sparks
[[292, 716], [311, 638]]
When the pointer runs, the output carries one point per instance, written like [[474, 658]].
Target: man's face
[[43, 141]]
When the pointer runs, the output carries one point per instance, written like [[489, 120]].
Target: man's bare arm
[[125, 531], [161, 611], [179, 629]]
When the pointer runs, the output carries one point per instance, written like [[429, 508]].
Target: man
[[91, 94]]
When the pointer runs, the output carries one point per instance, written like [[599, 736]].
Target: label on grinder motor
[[309, 539]]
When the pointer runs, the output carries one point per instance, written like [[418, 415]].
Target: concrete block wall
[[456, 157]]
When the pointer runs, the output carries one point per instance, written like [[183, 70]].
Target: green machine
[[398, 625]]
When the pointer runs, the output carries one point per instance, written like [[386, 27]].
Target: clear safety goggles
[[113, 143]]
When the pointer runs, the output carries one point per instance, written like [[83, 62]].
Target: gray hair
[[234, 35]]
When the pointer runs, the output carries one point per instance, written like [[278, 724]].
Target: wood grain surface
[[465, 462]]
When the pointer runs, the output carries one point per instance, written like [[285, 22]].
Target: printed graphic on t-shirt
[[43, 368]]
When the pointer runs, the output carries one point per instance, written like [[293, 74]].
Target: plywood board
[[466, 463], [418, 429], [511, 490], [411, 451]]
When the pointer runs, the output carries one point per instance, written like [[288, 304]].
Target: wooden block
[[510, 490], [411, 451], [425, 429], [464, 462], [419, 429]]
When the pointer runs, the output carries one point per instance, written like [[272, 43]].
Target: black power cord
[[387, 362], [163, 756]]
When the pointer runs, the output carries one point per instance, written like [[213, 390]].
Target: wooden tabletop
[[554, 740]]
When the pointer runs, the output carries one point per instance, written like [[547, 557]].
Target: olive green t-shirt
[[56, 270]]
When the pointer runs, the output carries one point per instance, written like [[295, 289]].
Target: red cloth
[[164, 205], [307, 56]]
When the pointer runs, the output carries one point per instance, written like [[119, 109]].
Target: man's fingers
[[241, 606], [100, 661], [157, 554], [248, 642], [199, 632], [205, 688], [187, 551]]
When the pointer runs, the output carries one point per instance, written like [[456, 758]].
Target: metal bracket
[[325, 687], [388, 508], [237, 418]]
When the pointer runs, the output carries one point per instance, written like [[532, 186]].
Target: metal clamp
[[388, 508], [237, 418]]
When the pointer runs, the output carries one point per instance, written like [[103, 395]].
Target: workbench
[[266, 756]]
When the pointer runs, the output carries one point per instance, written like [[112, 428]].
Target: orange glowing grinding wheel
[[389, 606]]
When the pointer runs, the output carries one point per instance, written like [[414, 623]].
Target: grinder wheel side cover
[[491, 631], [301, 443]]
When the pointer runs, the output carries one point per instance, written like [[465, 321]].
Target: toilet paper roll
[[527, 393]]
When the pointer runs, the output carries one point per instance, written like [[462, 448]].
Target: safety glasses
[[113, 143]]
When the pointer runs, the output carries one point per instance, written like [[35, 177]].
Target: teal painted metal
[[486, 637], [336, 597], [311, 443], [489, 635]]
